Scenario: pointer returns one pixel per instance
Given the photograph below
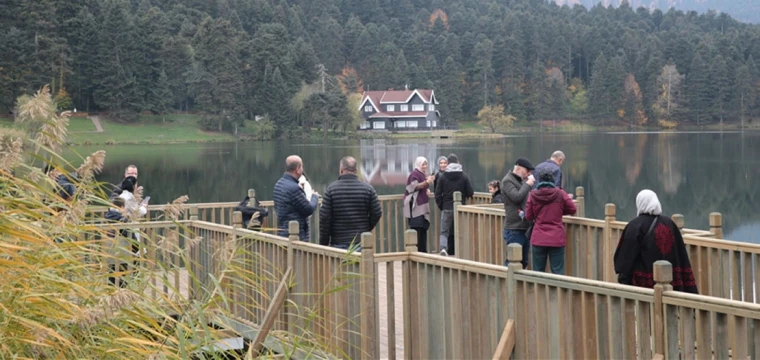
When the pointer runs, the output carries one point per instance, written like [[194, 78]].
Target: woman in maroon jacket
[[546, 206]]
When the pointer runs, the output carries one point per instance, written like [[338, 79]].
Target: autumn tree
[[668, 99], [632, 105], [494, 118]]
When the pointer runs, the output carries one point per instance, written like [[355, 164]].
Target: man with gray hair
[[553, 165], [349, 208], [290, 201]]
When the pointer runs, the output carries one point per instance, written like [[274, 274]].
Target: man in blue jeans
[[516, 186]]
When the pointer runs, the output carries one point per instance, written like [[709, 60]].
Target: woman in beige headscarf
[[417, 202]]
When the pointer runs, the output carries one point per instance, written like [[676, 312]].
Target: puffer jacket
[[451, 181], [515, 192], [349, 208], [290, 203], [546, 206]]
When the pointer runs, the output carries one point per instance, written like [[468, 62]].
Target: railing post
[[194, 213], [678, 219], [514, 257], [237, 220], [580, 196], [368, 298], [716, 225], [457, 203], [663, 276], [410, 246], [293, 235], [251, 197], [609, 245]]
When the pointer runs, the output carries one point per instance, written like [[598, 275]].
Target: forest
[[295, 64]]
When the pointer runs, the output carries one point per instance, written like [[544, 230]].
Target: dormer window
[[368, 108], [431, 107], [404, 108], [418, 107], [390, 108]]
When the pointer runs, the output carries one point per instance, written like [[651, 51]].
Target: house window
[[418, 107], [378, 125], [390, 107], [400, 124], [431, 107], [404, 108], [412, 124], [368, 108], [428, 123], [365, 125], [435, 123]]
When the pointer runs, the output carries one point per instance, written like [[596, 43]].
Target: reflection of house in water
[[384, 164]]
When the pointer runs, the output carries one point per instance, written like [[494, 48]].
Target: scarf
[[647, 203]]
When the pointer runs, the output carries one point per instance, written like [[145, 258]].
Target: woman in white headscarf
[[417, 202], [648, 238]]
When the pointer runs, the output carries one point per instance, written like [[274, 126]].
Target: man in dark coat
[[553, 166], [349, 208], [290, 202], [453, 179], [130, 170], [516, 186], [64, 188]]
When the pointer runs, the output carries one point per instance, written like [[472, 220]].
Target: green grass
[[149, 130], [5, 122], [80, 124]]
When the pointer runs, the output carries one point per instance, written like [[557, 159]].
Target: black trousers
[[422, 240], [123, 267]]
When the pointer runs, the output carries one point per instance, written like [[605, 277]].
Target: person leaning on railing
[[545, 208], [648, 238]]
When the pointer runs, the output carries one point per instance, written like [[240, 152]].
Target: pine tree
[[448, 91], [481, 76], [698, 90], [599, 99], [723, 82], [745, 93]]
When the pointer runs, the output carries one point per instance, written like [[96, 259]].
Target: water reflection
[[693, 174]]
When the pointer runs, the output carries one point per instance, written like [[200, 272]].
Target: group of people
[[350, 206], [534, 204]]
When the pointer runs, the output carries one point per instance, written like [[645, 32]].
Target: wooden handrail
[[506, 343]]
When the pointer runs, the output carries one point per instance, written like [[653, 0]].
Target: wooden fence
[[452, 308]]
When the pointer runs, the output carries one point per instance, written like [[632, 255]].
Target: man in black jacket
[[516, 186], [349, 208], [452, 180]]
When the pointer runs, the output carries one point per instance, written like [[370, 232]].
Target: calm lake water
[[693, 173]]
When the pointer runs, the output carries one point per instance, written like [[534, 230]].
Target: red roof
[[400, 114], [396, 96]]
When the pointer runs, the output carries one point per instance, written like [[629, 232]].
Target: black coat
[[290, 204], [497, 198], [449, 183], [349, 208], [636, 253], [248, 212]]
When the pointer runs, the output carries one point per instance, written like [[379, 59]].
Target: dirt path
[[96, 122]]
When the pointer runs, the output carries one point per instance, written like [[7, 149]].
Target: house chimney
[[406, 86]]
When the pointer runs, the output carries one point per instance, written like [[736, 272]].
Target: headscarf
[[438, 163], [647, 203], [418, 162]]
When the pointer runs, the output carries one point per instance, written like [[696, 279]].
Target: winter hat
[[524, 163], [545, 175]]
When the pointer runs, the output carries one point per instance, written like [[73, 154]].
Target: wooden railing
[[452, 308], [389, 233]]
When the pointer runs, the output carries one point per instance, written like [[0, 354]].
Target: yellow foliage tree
[[494, 118]]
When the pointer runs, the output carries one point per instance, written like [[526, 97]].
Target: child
[[495, 189]]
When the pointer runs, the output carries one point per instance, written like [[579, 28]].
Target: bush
[[668, 124]]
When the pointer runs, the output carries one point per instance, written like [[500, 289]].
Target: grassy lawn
[[80, 124], [148, 130]]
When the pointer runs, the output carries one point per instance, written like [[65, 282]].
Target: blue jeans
[[518, 237], [556, 257]]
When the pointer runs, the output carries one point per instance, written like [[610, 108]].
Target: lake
[[693, 173]]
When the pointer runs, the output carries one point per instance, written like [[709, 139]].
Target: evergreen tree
[[699, 91], [448, 91], [723, 83]]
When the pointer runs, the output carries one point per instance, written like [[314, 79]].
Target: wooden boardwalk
[[382, 283]]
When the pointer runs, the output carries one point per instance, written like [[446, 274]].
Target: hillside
[[232, 60], [742, 10]]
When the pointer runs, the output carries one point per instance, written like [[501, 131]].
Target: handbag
[[418, 222]]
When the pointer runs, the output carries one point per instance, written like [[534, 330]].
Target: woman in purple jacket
[[546, 206]]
